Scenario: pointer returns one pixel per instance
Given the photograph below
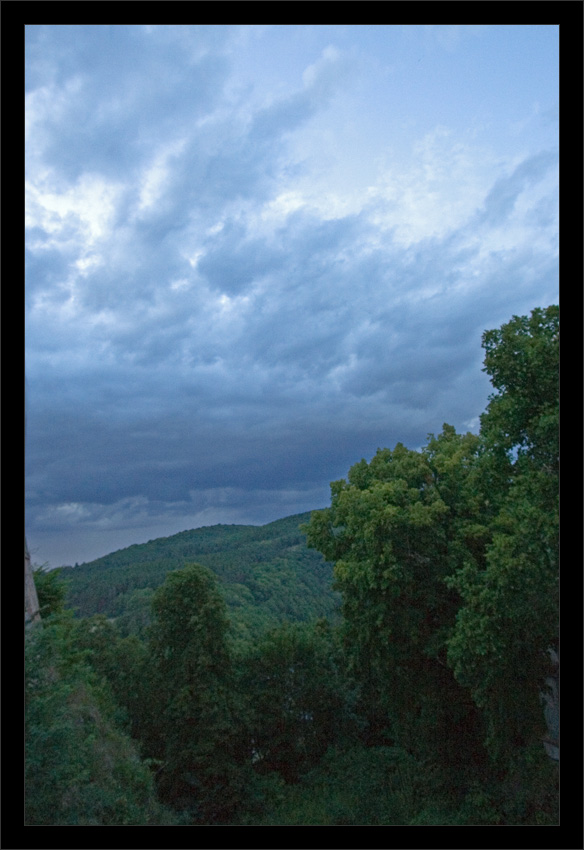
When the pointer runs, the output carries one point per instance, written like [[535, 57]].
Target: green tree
[[522, 358], [509, 614], [191, 729], [298, 702], [51, 591], [396, 530]]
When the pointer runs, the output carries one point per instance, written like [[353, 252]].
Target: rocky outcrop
[[31, 602], [551, 707]]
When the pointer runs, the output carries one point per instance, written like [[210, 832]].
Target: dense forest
[[266, 574], [233, 675]]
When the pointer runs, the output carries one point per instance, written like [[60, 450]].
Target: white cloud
[[449, 36], [83, 211], [320, 69], [155, 175], [436, 192]]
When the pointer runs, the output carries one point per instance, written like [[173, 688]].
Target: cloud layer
[[218, 324]]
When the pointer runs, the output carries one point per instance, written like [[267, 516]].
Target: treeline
[[423, 706]]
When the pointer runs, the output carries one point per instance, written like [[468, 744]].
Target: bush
[[80, 768]]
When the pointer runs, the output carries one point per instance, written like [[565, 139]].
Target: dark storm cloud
[[233, 262], [117, 93], [205, 345], [341, 351], [46, 266]]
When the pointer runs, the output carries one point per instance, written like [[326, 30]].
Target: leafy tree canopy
[[446, 558], [81, 768], [510, 612]]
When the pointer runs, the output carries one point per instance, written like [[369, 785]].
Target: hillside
[[267, 574]]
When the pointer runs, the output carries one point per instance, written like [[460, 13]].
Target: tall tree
[[191, 727], [522, 358], [396, 529], [297, 701], [509, 619]]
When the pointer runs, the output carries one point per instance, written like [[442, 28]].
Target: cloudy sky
[[255, 254]]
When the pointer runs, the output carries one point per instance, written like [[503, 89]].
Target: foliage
[[296, 696], [123, 662], [395, 531], [191, 728], [355, 786], [522, 358], [447, 561], [51, 591], [510, 612], [81, 768]]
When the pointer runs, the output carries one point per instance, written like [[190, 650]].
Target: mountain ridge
[[266, 573]]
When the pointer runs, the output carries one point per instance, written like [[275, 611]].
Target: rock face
[[551, 707], [31, 602]]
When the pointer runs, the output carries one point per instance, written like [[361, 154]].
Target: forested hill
[[267, 574]]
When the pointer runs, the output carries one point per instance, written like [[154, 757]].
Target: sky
[[257, 254]]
